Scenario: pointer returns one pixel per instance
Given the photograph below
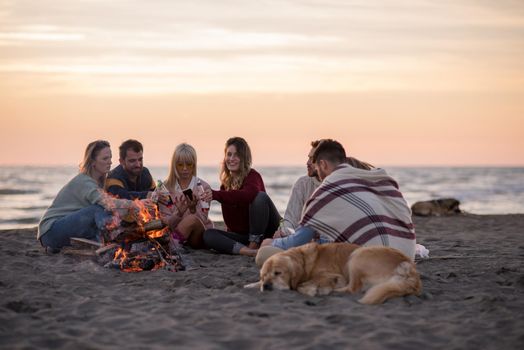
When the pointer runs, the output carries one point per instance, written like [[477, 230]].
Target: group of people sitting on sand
[[341, 199]]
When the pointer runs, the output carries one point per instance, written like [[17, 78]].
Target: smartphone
[[188, 193]]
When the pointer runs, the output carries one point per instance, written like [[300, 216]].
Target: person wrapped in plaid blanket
[[352, 205]]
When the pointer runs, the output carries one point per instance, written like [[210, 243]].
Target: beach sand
[[473, 298]]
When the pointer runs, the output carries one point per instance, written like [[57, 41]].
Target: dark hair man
[[130, 179], [353, 205]]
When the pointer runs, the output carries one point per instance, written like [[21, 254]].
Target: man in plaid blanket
[[352, 205]]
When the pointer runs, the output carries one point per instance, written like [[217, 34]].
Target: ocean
[[26, 191]]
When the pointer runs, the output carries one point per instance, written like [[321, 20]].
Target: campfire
[[139, 242]]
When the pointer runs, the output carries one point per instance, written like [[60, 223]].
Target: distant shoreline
[[221, 225], [287, 165]]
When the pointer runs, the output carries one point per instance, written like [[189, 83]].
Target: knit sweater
[[235, 203], [302, 190], [80, 192]]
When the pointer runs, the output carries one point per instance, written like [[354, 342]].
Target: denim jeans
[[302, 236], [85, 223]]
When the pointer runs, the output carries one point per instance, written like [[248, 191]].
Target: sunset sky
[[396, 82]]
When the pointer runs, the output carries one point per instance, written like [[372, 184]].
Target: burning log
[[135, 232], [141, 256], [139, 242], [154, 225], [140, 247]]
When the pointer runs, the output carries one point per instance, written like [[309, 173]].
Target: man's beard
[[313, 173], [136, 171]]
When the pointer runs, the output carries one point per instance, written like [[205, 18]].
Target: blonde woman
[[186, 218], [79, 207], [249, 214]]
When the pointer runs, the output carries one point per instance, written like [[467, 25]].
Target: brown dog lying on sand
[[314, 269], [437, 207]]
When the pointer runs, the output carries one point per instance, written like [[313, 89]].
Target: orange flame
[[158, 233], [134, 264], [141, 215]]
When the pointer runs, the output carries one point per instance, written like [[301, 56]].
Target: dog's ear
[[295, 270], [309, 254]]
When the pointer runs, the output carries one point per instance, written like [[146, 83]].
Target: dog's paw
[[324, 290], [344, 289], [253, 285], [308, 289]]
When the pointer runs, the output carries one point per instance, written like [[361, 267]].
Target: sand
[[473, 298]]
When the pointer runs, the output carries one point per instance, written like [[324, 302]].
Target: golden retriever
[[314, 269]]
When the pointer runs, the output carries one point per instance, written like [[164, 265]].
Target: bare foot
[[266, 242], [248, 251]]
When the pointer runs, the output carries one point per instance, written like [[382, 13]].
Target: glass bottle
[[162, 190], [203, 204]]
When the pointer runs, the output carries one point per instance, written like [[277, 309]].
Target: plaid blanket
[[364, 207]]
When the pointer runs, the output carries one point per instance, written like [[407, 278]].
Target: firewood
[[105, 248], [135, 232], [79, 242], [154, 225], [141, 251], [128, 233]]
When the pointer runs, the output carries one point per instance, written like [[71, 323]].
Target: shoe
[[50, 250]]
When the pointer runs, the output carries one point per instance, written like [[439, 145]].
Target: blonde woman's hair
[[90, 154], [244, 153], [184, 153]]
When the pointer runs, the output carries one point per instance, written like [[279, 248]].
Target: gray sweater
[[302, 190], [80, 192]]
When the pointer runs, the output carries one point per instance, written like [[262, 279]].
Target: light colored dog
[[311, 269], [314, 269]]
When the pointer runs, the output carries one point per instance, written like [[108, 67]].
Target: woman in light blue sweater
[[79, 209]]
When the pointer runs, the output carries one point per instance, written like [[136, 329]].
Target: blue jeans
[[301, 236], [85, 223]]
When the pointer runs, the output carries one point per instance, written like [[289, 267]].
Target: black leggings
[[263, 222]]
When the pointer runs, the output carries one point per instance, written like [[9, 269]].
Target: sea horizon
[[271, 165], [27, 190]]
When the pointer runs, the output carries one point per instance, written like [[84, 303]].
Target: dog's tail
[[404, 281]]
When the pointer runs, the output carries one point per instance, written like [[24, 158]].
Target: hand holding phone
[[191, 200], [188, 193]]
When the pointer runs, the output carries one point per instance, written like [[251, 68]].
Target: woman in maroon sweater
[[249, 214]]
